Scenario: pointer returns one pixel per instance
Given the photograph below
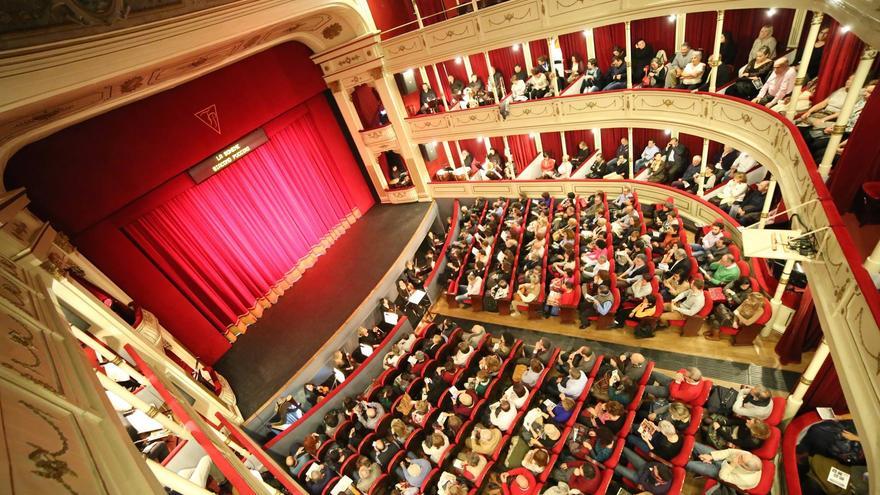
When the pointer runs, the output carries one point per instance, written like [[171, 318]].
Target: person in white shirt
[[755, 402], [502, 414], [733, 192], [564, 169], [530, 376], [472, 289], [688, 303], [779, 85], [461, 356], [517, 394], [640, 288], [574, 385], [435, 445], [647, 155], [737, 467], [692, 75], [743, 163], [518, 89]]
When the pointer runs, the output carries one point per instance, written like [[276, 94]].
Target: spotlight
[[667, 132], [480, 138], [516, 47], [672, 18], [408, 72], [433, 144], [845, 29], [532, 135], [771, 12], [458, 60], [586, 32]]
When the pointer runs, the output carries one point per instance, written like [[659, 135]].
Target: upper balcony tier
[[513, 21]]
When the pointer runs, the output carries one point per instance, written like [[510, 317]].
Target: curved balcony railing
[[846, 300], [513, 21]]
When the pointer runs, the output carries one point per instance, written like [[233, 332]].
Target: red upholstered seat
[[778, 410], [768, 471], [627, 424], [770, 447], [789, 450], [744, 270], [612, 461], [684, 455], [872, 189], [746, 335], [696, 420]]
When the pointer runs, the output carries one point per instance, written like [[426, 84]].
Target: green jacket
[[722, 275]]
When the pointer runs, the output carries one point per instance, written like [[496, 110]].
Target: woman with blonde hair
[[434, 446], [746, 314], [400, 431]]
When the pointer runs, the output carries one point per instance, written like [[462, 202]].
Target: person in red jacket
[[519, 481], [685, 386]]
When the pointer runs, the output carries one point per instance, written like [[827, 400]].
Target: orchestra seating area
[[440, 403]]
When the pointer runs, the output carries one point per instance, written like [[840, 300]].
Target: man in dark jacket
[[674, 155], [749, 211]]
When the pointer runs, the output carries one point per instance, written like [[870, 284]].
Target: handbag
[[721, 400]]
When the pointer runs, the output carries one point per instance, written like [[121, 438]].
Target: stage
[[292, 331]]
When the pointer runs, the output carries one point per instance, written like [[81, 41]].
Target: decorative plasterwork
[[381, 139]]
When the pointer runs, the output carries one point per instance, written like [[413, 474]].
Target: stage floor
[[310, 312]]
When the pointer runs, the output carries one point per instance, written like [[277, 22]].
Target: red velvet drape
[[839, 60], [573, 138], [479, 67], [497, 142], [573, 44], [431, 11], [658, 32], [451, 68], [699, 31], [641, 137], [611, 140], [390, 14], [538, 48], [523, 149], [744, 25], [551, 142], [228, 241], [694, 144], [825, 391], [475, 146], [504, 59], [606, 37], [860, 161], [804, 332], [367, 103]]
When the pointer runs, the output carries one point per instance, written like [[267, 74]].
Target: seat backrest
[[768, 312], [744, 270], [768, 472], [707, 306]]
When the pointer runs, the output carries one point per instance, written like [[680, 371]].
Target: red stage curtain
[[825, 390], [839, 60], [605, 38], [551, 142], [523, 149], [504, 59], [538, 48], [573, 44], [804, 333], [744, 25], [367, 103], [573, 138], [479, 67], [699, 31], [611, 140], [860, 162], [231, 242], [658, 32]]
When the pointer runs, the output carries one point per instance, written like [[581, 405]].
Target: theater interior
[[440, 247]]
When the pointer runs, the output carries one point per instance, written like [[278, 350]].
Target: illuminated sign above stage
[[227, 156]]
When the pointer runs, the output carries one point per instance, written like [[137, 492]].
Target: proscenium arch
[[355, 26]]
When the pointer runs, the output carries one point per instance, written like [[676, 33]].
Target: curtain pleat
[[235, 242]]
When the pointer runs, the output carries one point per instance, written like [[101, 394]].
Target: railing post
[[628, 60], [629, 136], [440, 89], [715, 61], [815, 25], [768, 201], [775, 322], [796, 399], [705, 158], [846, 111], [418, 14]]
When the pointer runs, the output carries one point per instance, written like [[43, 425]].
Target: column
[[805, 61], [705, 159], [498, 92], [872, 264], [448, 151], [554, 79], [629, 78], [466, 60], [797, 26], [846, 111], [765, 211], [527, 54], [440, 90], [796, 399], [591, 43], [775, 322], [418, 14], [413, 159], [564, 147], [597, 140], [539, 146], [680, 21], [629, 137], [353, 122], [715, 59]]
